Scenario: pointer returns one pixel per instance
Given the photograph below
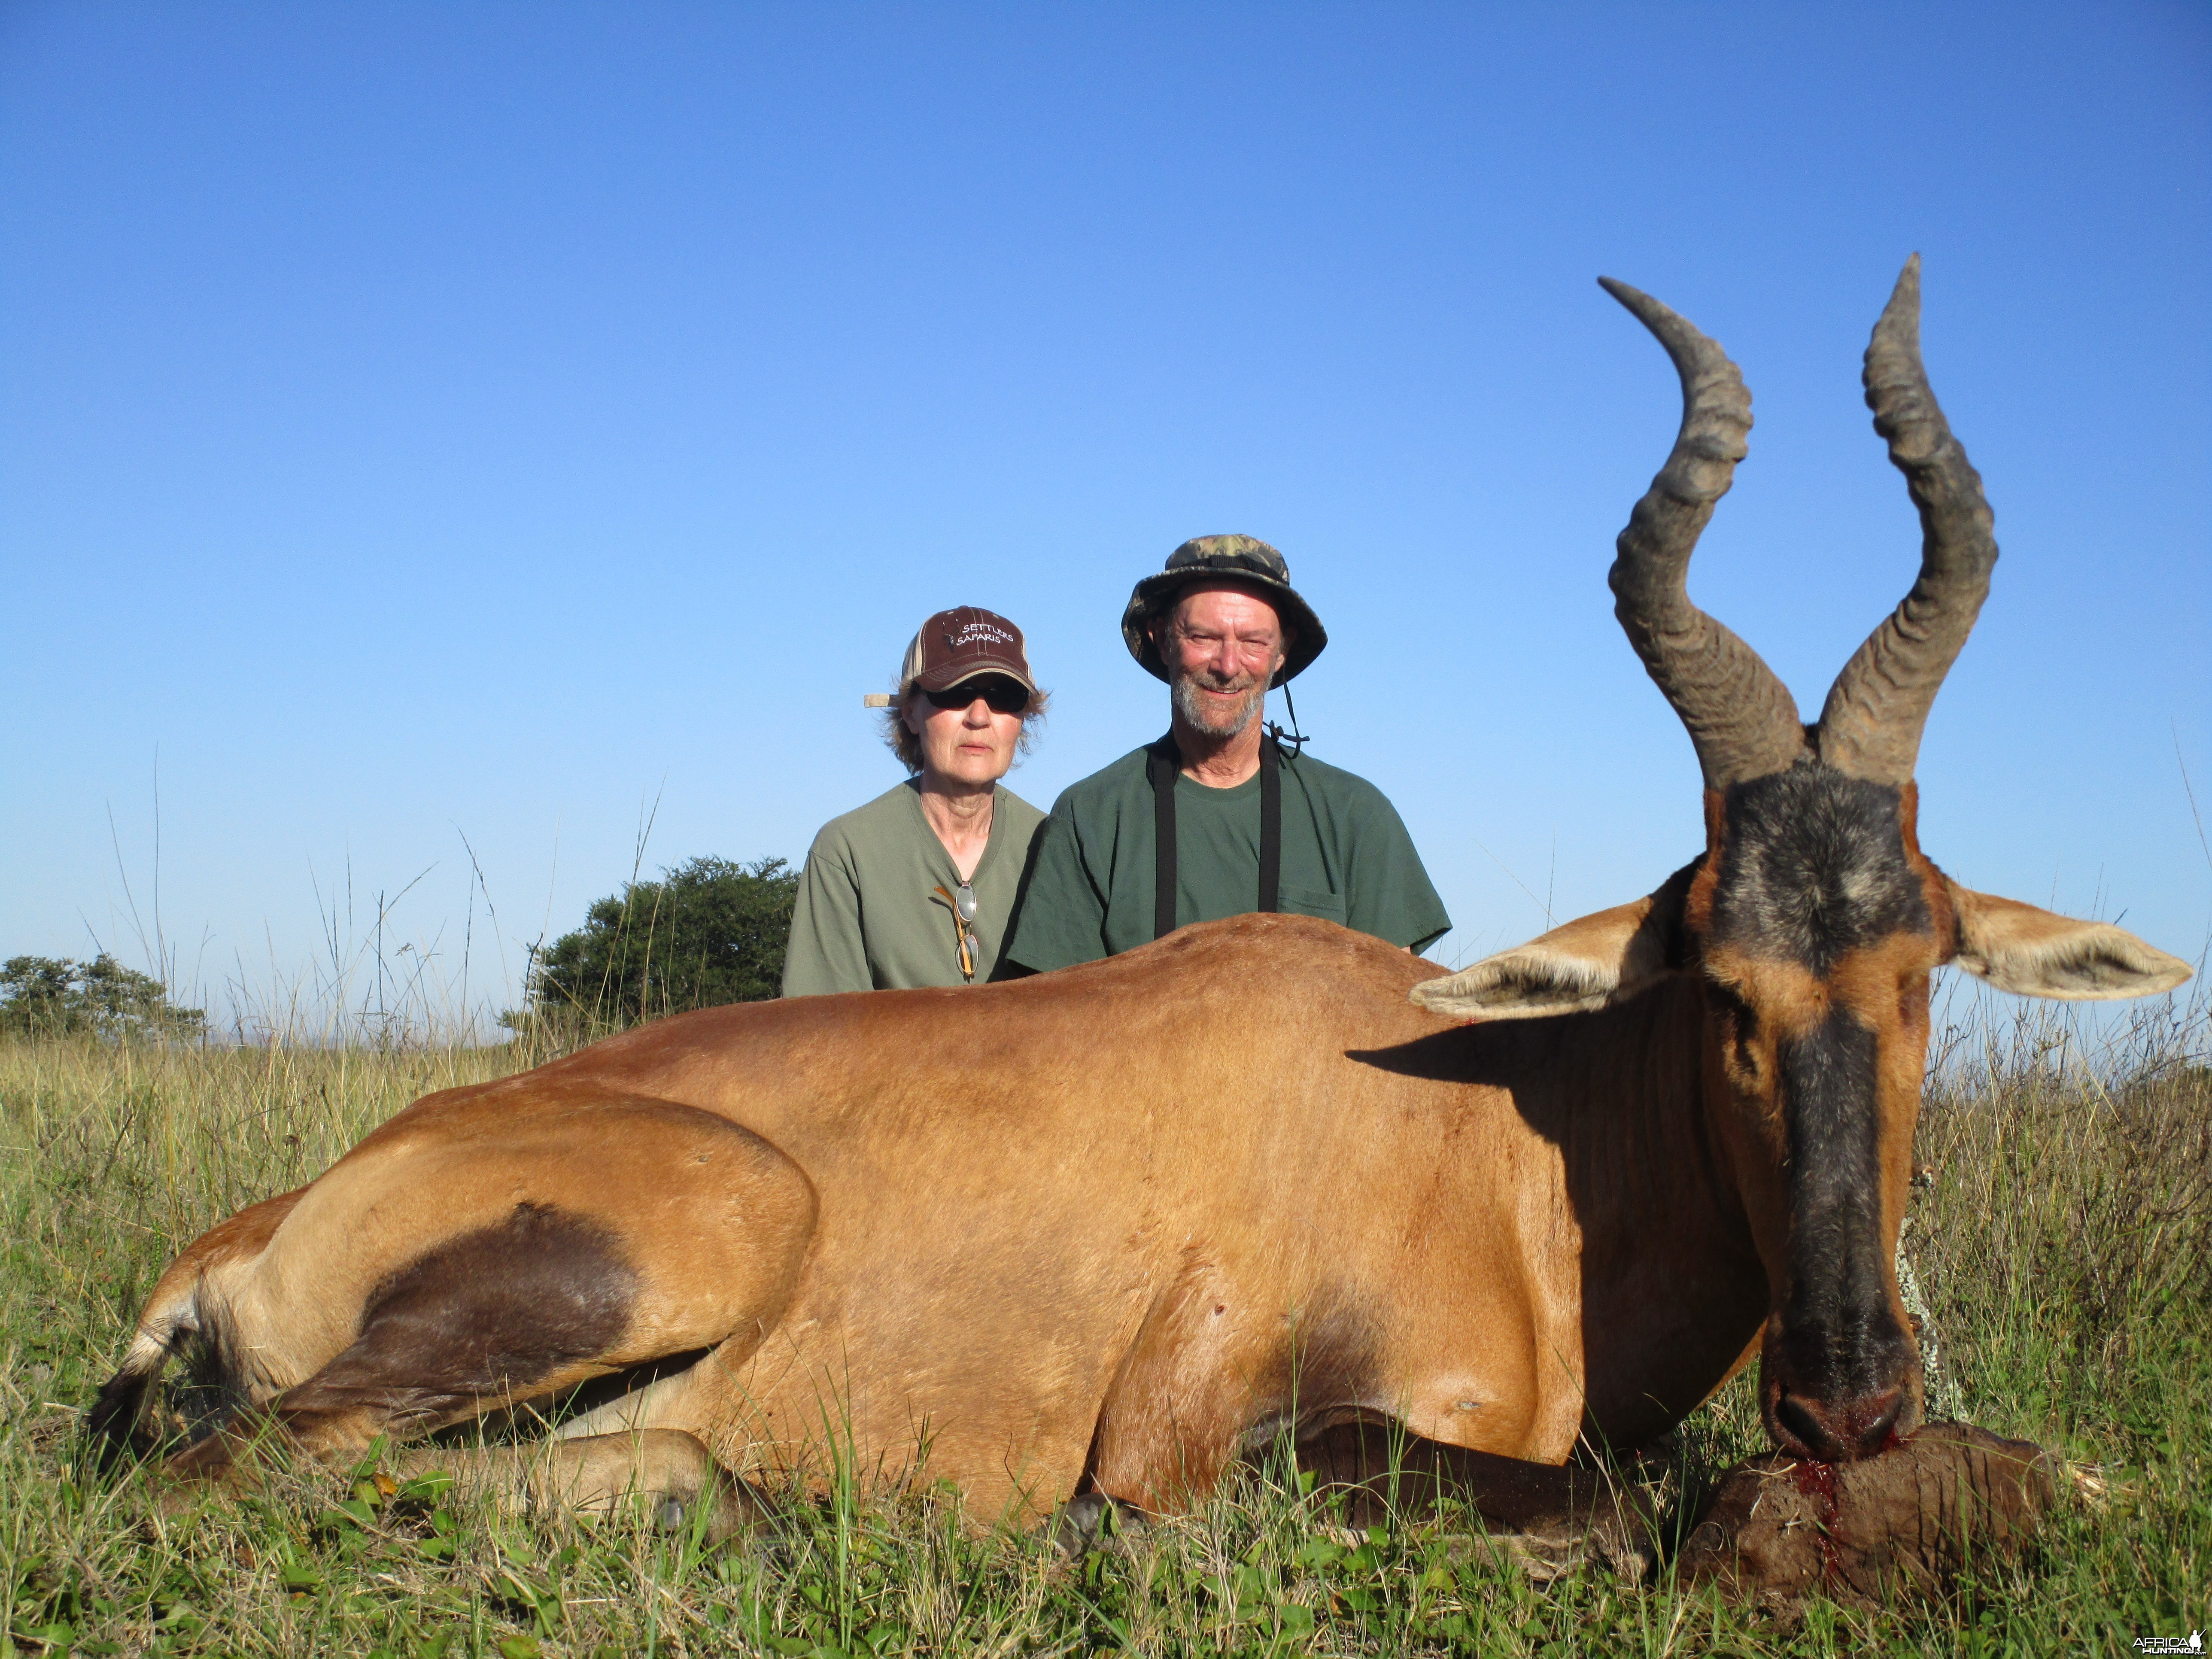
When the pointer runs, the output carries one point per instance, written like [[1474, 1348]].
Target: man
[[1215, 818], [916, 887]]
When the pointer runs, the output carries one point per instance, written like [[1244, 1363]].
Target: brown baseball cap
[[960, 644]]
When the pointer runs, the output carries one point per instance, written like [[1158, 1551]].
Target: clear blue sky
[[429, 421]]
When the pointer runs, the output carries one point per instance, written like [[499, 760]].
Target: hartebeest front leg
[[1549, 1520], [668, 1471]]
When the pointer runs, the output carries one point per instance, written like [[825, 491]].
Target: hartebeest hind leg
[[500, 1250]]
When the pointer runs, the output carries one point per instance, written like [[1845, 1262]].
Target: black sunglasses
[[1003, 695]]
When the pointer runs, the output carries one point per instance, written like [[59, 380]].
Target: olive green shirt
[[1346, 857], [866, 919]]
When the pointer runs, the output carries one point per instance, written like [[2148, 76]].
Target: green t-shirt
[[1346, 857], [866, 919]]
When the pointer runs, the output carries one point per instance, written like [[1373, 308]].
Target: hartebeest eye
[[1739, 1025]]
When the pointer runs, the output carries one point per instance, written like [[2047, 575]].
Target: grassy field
[[2063, 1236]]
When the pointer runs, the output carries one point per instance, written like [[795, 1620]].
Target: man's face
[[1221, 645]]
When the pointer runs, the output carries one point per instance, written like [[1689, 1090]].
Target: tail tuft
[[115, 1427], [122, 1425]]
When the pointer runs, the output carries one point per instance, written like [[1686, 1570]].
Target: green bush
[[53, 996], [707, 932]]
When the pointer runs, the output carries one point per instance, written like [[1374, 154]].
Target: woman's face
[[971, 744]]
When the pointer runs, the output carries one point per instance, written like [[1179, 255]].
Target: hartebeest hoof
[[1094, 1520], [1779, 1528], [1548, 1521], [669, 1472], [1614, 1541]]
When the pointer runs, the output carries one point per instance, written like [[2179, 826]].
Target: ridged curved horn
[[1741, 719], [1871, 724]]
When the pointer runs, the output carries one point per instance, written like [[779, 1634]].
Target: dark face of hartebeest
[[1817, 925], [1813, 920]]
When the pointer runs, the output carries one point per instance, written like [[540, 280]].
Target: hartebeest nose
[[1836, 1401], [1838, 1430]]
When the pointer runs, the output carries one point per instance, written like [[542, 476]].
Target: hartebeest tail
[[189, 1316], [198, 1335], [114, 1426]]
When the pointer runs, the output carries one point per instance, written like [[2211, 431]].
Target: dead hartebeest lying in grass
[[1097, 1230]]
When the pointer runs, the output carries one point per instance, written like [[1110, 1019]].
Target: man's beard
[[1192, 705]]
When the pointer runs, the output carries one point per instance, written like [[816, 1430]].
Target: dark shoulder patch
[[1814, 866]]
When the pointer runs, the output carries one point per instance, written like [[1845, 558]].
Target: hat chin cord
[[1294, 739]]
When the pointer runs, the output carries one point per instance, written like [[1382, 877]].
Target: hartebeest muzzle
[[1839, 1373]]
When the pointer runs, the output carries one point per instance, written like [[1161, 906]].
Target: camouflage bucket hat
[[1207, 558]]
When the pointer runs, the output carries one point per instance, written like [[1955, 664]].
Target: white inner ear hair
[[2084, 961], [1588, 963], [1522, 984]]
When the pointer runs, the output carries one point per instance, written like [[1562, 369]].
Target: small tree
[[51, 996], [708, 933]]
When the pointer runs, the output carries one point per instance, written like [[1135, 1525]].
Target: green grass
[[2064, 1242]]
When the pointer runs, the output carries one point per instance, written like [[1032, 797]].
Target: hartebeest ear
[[1588, 963], [2033, 953]]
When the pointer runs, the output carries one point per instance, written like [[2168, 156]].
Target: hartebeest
[[1100, 1227]]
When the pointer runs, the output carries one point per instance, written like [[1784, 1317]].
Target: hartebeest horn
[[1871, 724], [1741, 719]]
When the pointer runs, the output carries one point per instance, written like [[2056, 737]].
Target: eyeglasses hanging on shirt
[[962, 906]]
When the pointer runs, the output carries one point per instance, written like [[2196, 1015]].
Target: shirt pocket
[[1305, 902]]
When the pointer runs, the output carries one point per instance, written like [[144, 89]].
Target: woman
[[917, 887]]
